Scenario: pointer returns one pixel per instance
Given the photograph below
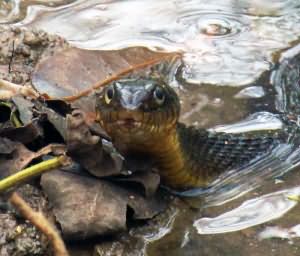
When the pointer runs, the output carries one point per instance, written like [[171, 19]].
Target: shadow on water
[[237, 70]]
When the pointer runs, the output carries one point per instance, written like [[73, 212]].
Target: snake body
[[141, 117]]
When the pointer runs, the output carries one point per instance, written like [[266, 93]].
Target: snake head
[[135, 111]]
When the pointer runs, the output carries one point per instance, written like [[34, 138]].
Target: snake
[[141, 116]]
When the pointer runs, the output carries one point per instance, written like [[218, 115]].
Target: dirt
[[21, 49], [17, 236], [19, 52]]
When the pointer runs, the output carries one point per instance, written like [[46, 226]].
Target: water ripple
[[224, 42]]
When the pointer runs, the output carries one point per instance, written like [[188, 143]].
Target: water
[[240, 72], [237, 38]]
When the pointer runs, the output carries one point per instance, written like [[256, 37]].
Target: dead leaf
[[87, 149], [10, 125], [25, 134], [20, 156], [148, 180], [87, 207], [73, 73], [76, 72], [24, 108], [84, 207], [7, 146], [57, 120]]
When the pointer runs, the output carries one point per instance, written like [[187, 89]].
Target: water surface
[[239, 69], [236, 38]]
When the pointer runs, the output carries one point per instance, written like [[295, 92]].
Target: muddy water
[[230, 75]]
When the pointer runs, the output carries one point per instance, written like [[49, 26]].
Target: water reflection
[[225, 42], [278, 232], [9, 10], [252, 212], [250, 92], [286, 81]]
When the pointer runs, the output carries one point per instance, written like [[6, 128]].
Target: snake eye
[[159, 95], [109, 94]]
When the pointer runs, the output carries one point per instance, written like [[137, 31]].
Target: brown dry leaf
[[19, 156], [7, 146], [24, 108], [57, 120], [25, 134], [147, 179], [87, 149], [24, 130], [76, 72], [87, 207], [84, 207]]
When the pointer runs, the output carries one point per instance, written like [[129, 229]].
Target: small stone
[[31, 39], [216, 30], [16, 30], [19, 229]]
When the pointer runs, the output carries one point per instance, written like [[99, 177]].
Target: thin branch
[[8, 90], [117, 76], [11, 57], [41, 223]]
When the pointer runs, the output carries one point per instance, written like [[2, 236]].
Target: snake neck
[[172, 157]]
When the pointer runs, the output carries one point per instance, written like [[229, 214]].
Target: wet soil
[[20, 50]]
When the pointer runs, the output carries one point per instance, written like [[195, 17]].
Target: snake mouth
[[129, 123]]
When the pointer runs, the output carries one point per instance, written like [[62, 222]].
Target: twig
[[11, 57], [117, 76], [17, 123], [41, 223], [8, 90], [30, 172]]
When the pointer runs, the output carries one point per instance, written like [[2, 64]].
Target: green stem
[[15, 120], [30, 172]]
